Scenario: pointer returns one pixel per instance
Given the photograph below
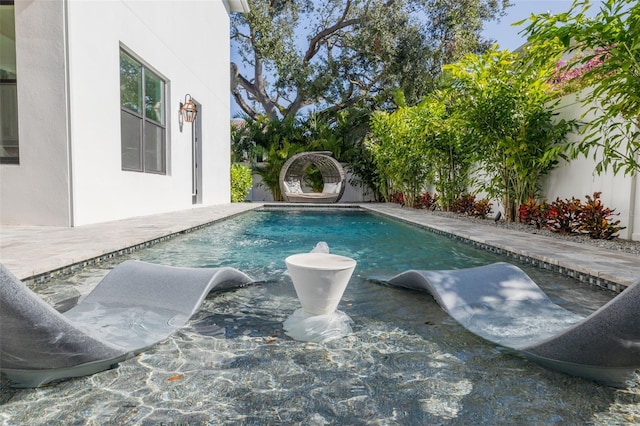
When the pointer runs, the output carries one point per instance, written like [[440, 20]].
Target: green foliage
[[612, 38], [270, 170], [241, 182], [243, 146], [507, 108], [448, 147], [337, 53], [345, 59], [352, 126], [420, 145], [277, 140], [313, 178], [398, 148]]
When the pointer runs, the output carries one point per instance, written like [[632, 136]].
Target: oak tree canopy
[[333, 54]]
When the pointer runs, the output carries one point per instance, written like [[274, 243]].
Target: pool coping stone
[[35, 253], [608, 269]]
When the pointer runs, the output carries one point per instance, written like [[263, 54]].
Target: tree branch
[[316, 41]]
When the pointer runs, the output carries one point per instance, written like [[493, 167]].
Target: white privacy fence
[[578, 178]]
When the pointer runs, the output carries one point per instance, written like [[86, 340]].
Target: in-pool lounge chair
[[501, 304], [135, 306]]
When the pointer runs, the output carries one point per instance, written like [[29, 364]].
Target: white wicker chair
[[293, 172]]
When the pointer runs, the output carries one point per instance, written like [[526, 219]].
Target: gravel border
[[616, 244]]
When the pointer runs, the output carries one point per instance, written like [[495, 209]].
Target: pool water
[[407, 362]]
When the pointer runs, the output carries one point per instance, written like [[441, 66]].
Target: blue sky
[[507, 36]]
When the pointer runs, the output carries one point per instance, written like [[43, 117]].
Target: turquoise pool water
[[259, 242], [406, 362]]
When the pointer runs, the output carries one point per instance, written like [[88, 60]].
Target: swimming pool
[[407, 362]]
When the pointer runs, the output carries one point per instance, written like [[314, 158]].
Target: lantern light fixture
[[188, 111]]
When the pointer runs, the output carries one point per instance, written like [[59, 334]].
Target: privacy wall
[[578, 178]]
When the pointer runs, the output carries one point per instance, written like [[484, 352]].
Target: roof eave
[[236, 6]]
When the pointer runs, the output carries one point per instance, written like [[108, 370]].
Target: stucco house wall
[[67, 54], [37, 191]]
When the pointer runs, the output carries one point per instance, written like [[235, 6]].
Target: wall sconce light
[[188, 111]]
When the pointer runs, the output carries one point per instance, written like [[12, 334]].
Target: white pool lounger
[[135, 306], [501, 304]]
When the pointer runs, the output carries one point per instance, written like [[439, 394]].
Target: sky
[[507, 36], [502, 32]]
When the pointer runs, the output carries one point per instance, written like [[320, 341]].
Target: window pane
[[9, 152], [8, 51], [131, 136], [8, 124], [154, 97], [153, 148], [142, 97], [130, 83]]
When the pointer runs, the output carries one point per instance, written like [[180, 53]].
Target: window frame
[[147, 125], [11, 82]]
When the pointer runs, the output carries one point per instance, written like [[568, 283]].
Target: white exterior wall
[[578, 178], [69, 108], [37, 191], [187, 42]]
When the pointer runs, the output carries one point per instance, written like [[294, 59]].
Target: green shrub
[[241, 182]]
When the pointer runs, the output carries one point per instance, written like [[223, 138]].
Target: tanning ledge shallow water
[[406, 362]]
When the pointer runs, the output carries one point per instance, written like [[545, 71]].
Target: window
[[142, 117], [9, 149]]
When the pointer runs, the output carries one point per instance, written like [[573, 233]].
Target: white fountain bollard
[[319, 279]]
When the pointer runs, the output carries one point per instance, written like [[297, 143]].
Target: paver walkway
[[29, 251], [32, 251], [608, 265]]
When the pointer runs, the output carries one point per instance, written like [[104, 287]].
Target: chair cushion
[[293, 186], [332, 188]]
